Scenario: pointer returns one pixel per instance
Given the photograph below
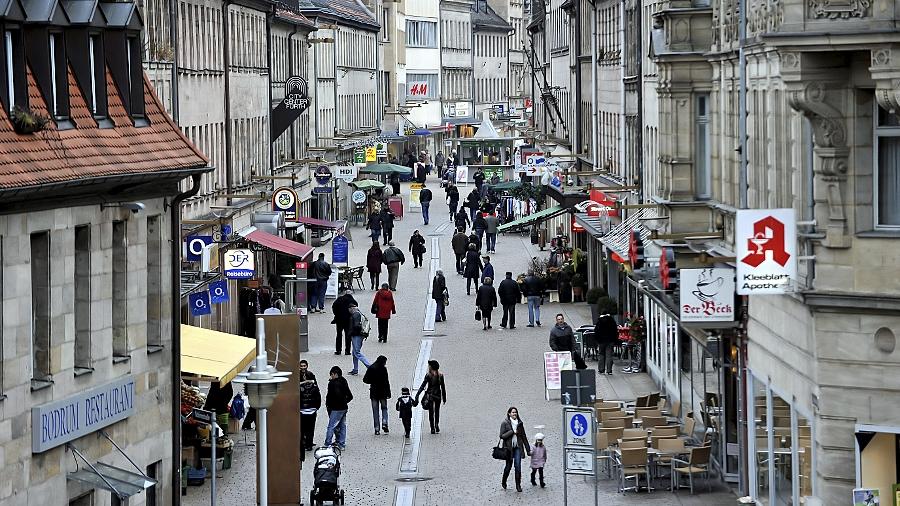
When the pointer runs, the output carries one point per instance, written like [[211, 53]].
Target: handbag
[[446, 298], [374, 308], [477, 314], [499, 452], [426, 401]]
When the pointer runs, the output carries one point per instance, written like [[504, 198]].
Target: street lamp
[[261, 385]]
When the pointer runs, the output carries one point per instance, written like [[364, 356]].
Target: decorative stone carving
[[839, 9], [886, 74]]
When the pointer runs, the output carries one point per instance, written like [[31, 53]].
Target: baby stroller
[[325, 477]]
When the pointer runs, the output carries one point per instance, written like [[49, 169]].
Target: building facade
[[457, 78], [86, 259], [491, 35], [422, 74]]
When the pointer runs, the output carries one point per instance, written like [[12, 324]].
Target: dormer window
[[93, 44], [14, 90], [10, 71]]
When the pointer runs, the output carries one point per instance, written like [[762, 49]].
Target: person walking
[[425, 198], [341, 309], [460, 243], [439, 294], [310, 402], [562, 338], [405, 405], [479, 224], [487, 269], [337, 403], [533, 287], [479, 178], [473, 268], [538, 459], [439, 163], [474, 239], [607, 333], [472, 201], [435, 393], [417, 248], [492, 225], [374, 259], [321, 271], [383, 307], [452, 199], [510, 294], [393, 258], [515, 440], [387, 224], [395, 183], [461, 221], [358, 335], [379, 392], [486, 300], [373, 225]]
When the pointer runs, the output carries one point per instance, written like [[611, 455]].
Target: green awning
[[506, 185], [533, 218]]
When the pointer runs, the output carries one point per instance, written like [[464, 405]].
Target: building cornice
[[846, 302]]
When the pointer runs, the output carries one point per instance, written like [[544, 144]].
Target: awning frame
[[188, 345], [533, 218], [148, 481]]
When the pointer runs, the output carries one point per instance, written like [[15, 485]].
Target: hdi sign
[[766, 243]]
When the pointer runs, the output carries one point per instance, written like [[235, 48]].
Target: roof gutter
[[175, 221]]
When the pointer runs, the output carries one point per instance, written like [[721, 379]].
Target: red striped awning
[[280, 244]]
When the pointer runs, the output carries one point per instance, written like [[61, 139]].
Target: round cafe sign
[[358, 197], [285, 200], [322, 174]]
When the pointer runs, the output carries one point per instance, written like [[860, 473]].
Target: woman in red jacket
[[383, 307]]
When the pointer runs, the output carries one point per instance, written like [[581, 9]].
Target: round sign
[[285, 199], [358, 197], [322, 174], [218, 291], [579, 425], [196, 245]]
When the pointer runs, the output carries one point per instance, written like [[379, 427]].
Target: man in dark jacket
[[452, 199], [478, 177], [479, 225], [438, 287], [459, 242], [425, 198], [461, 220], [510, 295], [472, 201], [336, 404], [374, 225], [321, 271], [387, 225], [607, 333], [310, 402], [533, 289], [341, 309], [486, 300], [379, 392], [473, 268], [393, 259], [487, 269], [492, 226], [562, 338]]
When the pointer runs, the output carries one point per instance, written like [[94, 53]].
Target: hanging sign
[[199, 303], [381, 148], [321, 189], [707, 295], [295, 103], [218, 292], [346, 172], [322, 174], [371, 154], [194, 245], [358, 197], [284, 200], [240, 264], [359, 156], [766, 241], [340, 250]]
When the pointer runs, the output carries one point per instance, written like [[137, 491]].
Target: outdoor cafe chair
[[642, 412], [613, 434], [606, 415], [627, 421], [653, 400], [668, 430], [634, 433], [591, 346], [697, 464], [649, 422], [603, 453], [633, 464], [654, 439], [618, 423], [633, 443], [668, 450]]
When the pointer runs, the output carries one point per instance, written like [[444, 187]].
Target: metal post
[[212, 439], [563, 453], [596, 476], [742, 105], [261, 415]]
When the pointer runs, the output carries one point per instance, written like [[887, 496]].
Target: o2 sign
[[218, 292], [194, 246]]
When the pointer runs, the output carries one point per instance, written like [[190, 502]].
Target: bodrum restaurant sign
[[59, 422]]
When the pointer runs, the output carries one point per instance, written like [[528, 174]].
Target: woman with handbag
[[472, 270], [383, 307], [440, 296], [515, 442], [435, 393], [486, 301], [417, 248]]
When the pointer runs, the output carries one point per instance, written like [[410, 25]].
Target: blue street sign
[[321, 189], [579, 425], [226, 231], [218, 292], [199, 303], [195, 245], [340, 250]]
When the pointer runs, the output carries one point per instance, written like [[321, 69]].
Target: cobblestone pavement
[[486, 372]]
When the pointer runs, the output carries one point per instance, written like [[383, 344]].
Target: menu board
[[554, 362]]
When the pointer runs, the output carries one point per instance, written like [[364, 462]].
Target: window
[[92, 54], [14, 90], [119, 291], [135, 79], [386, 79], [702, 159], [385, 24], [54, 99], [421, 86], [96, 95], [154, 284], [152, 472], [40, 306], [887, 180], [83, 299], [421, 33]]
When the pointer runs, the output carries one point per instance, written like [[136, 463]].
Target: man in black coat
[[562, 338], [310, 402], [379, 392], [461, 220], [336, 403], [510, 295], [607, 333], [425, 198], [473, 268], [341, 309], [387, 225], [460, 243], [452, 199], [321, 271], [533, 289]]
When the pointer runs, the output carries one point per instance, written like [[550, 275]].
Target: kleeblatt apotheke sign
[[59, 422]]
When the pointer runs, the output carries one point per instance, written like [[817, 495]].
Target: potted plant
[[25, 121], [592, 296], [579, 284]]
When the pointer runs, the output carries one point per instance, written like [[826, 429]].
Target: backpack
[[364, 326]]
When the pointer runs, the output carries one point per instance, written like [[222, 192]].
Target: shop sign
[[576, 227], [88, 411], [636, 250], [707, 295], [371, 154], [498, 108], [381, 148], [604, 200], [463, 109], [668, 275], [284, 200], [766, 242], [239, 264], [417, 89], [321, 189], [359, 156], [322, 174], [358, 197], [194, 245], [346, 172], [199, 303], [218, 292], [340, 250], [296, 101]]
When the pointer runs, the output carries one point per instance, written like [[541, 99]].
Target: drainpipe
[[575, 101], [742, 105], [173, 35], [639, 136], [595, 115], [226, 63], [269, 16], [175, 221]]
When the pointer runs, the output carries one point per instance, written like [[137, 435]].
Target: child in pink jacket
[[538, 458]]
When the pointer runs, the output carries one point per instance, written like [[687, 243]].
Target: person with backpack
[[379, 392], [383, 307], [359, 331], [337, 402], [310, 402], [393, 258]]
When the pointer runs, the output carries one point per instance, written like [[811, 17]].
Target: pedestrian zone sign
[[578, 427]]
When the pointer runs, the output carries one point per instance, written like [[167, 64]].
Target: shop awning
[[619, 237], [315, 222], [506, 185], [597, 226], [286, 246], [533, 218], [120, 482], [214, 356]]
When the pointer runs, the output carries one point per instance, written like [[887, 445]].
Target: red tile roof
[[87, 151]]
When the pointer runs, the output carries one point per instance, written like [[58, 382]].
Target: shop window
[[152, 492], [154, 284], [83, 500], [760, 441], [119, 291], [782, 460], [887, 180], [40, 306], [702, 158], [83, 299]]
